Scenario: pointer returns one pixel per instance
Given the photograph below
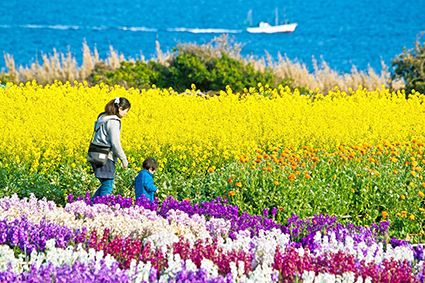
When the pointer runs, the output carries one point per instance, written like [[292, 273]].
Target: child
[[143, 184]]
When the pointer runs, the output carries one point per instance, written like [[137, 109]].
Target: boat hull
[[273, 29]]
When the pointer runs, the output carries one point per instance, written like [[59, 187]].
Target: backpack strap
[[101, 125]]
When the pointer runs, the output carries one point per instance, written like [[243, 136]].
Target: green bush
[[214, 75], [209, 67], [130, 74], [410, 66]]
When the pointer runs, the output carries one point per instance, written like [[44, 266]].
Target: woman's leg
[[104, 189]]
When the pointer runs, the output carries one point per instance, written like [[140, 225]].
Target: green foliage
[[189, 68], [98, 73], [130, 74], [410, 66], [7, 78], [329, 184], [209, 67]]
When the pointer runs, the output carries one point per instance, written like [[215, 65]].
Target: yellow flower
[[238, 184], [232, 193], [412, 217], [421, 194], [421, 209], [276, 183]]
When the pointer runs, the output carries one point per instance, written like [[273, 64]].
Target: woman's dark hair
[[112, 107], [150, 163]]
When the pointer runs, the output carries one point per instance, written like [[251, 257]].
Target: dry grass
[[64, 67], [59, 66], [325, 79]]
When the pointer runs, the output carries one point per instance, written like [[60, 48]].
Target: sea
[[343, 34]]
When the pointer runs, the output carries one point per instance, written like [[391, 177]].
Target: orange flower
[[395, 171], [232, 193], [281, 208], [238, 184], [186, 199], [276, 183], [352, 189], [307, 176], [270, 169], [230, 180], [292, 176], [421, 194], [384, 214], [334, 177], [402, 197], [211, 170]]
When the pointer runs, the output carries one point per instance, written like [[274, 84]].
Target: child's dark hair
[[112, 107], [150, 163]]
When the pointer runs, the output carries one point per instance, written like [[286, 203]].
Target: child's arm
[[150, 187]]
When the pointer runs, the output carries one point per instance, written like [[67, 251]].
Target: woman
[[107, 132]]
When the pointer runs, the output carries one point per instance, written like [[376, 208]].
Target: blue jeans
[[104, 189]]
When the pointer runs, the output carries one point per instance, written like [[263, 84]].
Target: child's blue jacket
[[143, 184]]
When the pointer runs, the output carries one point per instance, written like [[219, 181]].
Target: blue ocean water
[[342, 33]]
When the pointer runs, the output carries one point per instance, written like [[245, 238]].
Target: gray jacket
[[109, 134]]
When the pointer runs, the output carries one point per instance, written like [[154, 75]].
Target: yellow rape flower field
[[47, 126], [357, 155]]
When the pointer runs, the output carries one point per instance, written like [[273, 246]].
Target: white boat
[[267, 28], [264, 27]]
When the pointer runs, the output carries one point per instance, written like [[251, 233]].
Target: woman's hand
[[125, 166]]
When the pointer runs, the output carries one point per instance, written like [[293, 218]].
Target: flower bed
[[113, 240]]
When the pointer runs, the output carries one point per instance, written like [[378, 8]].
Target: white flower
[[210, 267], [308, 276]]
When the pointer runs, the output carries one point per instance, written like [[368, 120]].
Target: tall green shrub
[[410, 66]]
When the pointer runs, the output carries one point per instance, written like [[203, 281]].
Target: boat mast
[[276, 17]]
